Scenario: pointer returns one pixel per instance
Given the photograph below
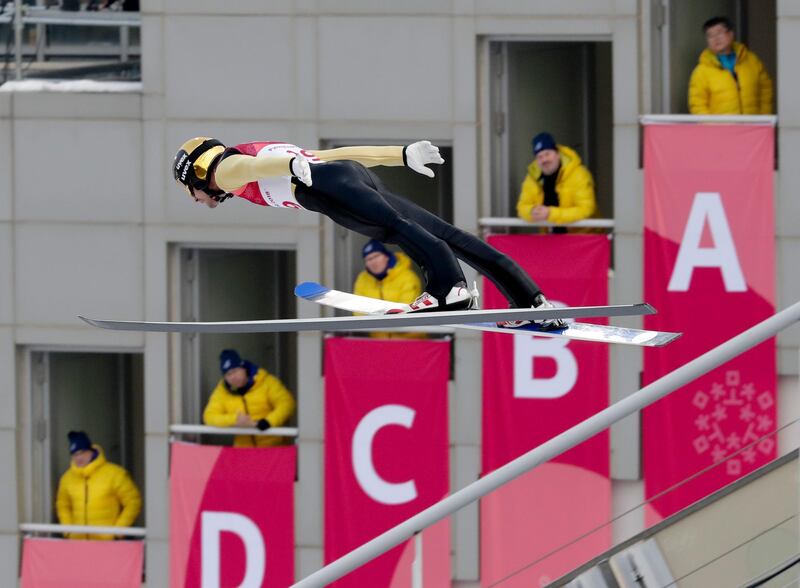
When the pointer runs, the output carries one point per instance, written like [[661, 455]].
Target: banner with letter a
[[709, 267], [533, 389], [386, 455], [231, 516]]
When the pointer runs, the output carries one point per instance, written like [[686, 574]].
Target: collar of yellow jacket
[[92, 466], [708, 57], [403, 263], [569, 161]]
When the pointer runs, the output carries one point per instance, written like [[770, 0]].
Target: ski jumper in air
[[337, 183]]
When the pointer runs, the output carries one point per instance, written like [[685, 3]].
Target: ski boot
[[546, 324], [459, 298]]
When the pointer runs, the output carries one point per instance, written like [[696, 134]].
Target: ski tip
[[310, 290], [648, 308], [89, 321]]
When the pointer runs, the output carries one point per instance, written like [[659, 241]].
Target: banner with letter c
[[533, 389], [709, 266], [231, 516], [386, 454]]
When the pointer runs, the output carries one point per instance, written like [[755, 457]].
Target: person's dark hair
[[718, 20]]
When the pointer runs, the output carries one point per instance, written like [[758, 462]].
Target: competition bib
[[277, 191]]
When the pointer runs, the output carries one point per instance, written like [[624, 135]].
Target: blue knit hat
[[228, 360], [78, 441], [374, 245], [543, 141]]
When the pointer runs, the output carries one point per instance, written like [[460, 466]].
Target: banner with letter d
[[386, 455], [231, 516], [709, 266]]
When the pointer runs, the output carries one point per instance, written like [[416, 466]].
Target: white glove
[[419, 154], [300, 169]]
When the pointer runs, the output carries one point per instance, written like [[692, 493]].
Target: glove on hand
[[263, 424], [300, 169], [419, 154]]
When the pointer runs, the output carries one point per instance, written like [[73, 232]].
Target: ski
[[370, 321], [314, 292]]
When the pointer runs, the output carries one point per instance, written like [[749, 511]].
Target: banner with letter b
[[541, 525]]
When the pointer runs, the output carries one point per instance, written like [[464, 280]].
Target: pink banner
[[66, 563], [386, 454], [709, 261], [533, 389], [232, 516]]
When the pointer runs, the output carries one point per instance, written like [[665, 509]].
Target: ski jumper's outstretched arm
[[237, 170], [367, 156]]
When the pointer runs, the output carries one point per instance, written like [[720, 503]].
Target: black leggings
[[355, 198]]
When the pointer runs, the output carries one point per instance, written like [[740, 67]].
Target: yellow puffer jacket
[[401, 284], [267, 399], [574, 185], [100, 493], [714, 90]]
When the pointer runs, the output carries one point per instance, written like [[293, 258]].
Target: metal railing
[[509, 221], [208, 430], [654, 530], [19, 16], [745, 119], [554, 447], [35, 528]]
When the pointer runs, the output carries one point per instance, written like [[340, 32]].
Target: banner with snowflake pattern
[[709, 266]]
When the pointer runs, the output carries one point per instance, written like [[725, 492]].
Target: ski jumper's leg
[[512, 281], [347, 193]]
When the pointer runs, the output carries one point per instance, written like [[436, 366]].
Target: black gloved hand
[[263, 424]]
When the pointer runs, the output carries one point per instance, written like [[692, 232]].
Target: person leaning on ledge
[[94, 491], [557, 188], [248, 396]]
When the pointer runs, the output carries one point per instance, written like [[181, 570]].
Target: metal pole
[[18, 38], [554, 447], [416, 565]]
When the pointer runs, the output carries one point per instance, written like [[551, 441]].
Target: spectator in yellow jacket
[[729, 78], [94, 491], [388, 276], [248, 396], [558, 188]]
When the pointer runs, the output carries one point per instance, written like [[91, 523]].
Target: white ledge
[[742, 119], [91, 529], [207, 430]]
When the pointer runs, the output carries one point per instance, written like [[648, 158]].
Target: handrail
[[774, 572], [208, 430], [680, 515], [32, 15], [510, 221], [744, 119], [554, 447], [90, 529]]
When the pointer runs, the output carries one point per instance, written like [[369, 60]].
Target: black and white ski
[[371, 321], [314, 292]]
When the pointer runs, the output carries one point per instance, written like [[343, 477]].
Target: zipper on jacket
[[247, 412], [85, 501]]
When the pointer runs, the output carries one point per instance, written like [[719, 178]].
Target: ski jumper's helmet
[[194, 162]]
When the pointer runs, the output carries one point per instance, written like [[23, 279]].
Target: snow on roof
[[70, 86]]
